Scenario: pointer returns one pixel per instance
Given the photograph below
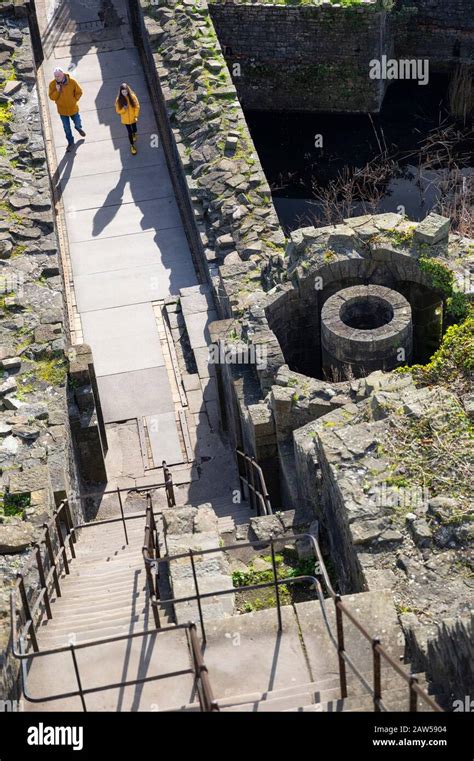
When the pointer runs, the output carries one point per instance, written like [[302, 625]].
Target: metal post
[[61, 540], [49, 547], [413, 695], [123, 516], [76, 669], [26, 608], [340, 647], [156, 541], [153, 592], [377, 675], [69, 527], [253, 497], [71, 522], [168, 484], [277, 590], [203, 631], [39, 562]]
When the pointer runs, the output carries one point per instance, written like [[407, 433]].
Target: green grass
[[52, 371], [6, 116], [452, 365], [14, 504], [12, 216], [288, 565]]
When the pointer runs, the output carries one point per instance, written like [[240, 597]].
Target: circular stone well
[[365, 328]]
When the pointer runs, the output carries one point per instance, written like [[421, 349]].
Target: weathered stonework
[[195, 528], [315, 440], [345, 472], [226, 190], [308, 57], [441, 32], [365, 328]]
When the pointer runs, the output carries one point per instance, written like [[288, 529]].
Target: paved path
[[127, 244]]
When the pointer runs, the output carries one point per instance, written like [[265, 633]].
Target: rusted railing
[[57, 536], [198, 669], [50, 558], [341, 613], [151, 552], [251, 476], [168, 484], [206, 697]]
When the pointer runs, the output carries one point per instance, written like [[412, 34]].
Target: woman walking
[[128, 108]]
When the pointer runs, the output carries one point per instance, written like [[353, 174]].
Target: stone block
[[205, 519], [421, 533], [179, 520], [262, 420], [15, 537], [432, 230]]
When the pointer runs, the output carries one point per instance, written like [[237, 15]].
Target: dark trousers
[[132, 130]]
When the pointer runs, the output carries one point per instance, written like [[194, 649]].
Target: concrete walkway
[[128, 252], [127, 245]]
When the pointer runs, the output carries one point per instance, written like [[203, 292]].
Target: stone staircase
[[252, 666], [105, 595], [255, 668], [105, 592], [230, 515]]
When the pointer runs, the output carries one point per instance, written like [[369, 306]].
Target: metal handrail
[[30, 609], [167, 485], [341, 611], [206, 698], [254, 480], [59, 561], [151, 551], [81, 692]]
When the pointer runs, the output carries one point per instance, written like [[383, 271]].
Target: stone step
[[397, 704], [286, 703], [111, 531], [103, 555], [59, 639], [394, 700], [78, 594], [325, 690], [103, 570], [89, 624], [85, 554], [111, 663], [84, 604], [86, 561], [66, 613], [80, 585], [374, 610]]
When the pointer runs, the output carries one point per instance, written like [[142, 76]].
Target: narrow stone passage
[[127, 245]]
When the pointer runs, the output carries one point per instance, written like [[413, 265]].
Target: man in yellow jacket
[[65, 92]]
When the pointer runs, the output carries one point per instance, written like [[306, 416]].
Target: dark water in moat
[[286, 145]]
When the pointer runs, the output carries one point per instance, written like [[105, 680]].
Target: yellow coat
[[66, 100], [128, 115]]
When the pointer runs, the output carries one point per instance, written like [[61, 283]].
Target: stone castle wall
[[304, 58], [316, 58], [442, 32]]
